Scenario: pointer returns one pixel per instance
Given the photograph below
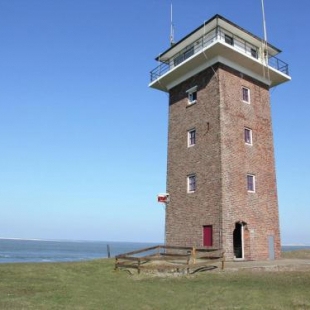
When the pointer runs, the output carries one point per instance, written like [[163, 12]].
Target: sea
[[35, 251], [39, 251]]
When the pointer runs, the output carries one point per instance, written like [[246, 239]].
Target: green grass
[[300, 254], [95, 285]]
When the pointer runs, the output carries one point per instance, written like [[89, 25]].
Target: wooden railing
[[163, 257]]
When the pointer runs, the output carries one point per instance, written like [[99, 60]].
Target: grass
[[301, 254], [95, 285]]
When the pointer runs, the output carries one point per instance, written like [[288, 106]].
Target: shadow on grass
[[203, 269]]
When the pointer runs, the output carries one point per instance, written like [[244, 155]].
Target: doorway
[[238, 241], [207, 235]]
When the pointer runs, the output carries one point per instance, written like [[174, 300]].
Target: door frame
[[241, 226]]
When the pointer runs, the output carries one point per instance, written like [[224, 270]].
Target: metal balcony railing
[[278, 64], [220, 35]]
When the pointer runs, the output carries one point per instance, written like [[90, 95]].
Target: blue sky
[[83, 139]]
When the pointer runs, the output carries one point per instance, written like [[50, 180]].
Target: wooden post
[[194, 254], [108, 251], [116, 264]]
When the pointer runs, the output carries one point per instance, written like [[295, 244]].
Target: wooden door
[[207, 235]]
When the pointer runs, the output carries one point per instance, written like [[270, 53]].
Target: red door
[[207, 235]]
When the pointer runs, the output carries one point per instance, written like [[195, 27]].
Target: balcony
[[214, 45]]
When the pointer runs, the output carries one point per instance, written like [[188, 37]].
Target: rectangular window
[[207, 235], [192, 95], [189, 52], [248, 136], [245, 95], [250, 183], [177, 60], [191, 183], [191, 137], [229, 39], [183, 56], [254, 52]]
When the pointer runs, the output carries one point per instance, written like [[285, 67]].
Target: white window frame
[[190, 95], [189, 183], [253, 182], [189, 137], [250, 136], [249, 94]]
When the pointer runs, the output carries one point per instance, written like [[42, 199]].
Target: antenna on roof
[[171, 26], [265, 44], [264, 22]]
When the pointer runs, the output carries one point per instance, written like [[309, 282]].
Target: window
[[250, 183], [192, 95], [191, 183], [254, 52], [189, 51], [177, 60], [245, 95], [191, 137], [248, 136], [229, 39], [207, 235]]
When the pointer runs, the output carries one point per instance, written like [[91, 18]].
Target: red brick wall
[[260, 209], [220, 159], [187, 213]]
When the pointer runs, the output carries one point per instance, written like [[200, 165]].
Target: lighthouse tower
[[221, 172]]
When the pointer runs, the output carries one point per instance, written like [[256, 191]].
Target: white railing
[[221, 35]]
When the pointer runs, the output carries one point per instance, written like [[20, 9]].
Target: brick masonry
[[221, 160]]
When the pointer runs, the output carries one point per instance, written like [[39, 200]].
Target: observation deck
[[219, 40]]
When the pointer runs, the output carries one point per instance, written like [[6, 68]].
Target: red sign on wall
[[163, 198]]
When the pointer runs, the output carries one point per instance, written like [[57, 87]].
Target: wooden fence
[[164, 258]]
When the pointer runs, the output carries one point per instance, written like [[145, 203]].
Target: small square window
[[191, 183], [192, 95], [250, 183], [248, 136], [245, 95], [191, 137], [229, 39]]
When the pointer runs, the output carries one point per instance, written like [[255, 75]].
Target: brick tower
[[221, 171]]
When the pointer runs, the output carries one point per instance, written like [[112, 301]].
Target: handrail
[[218, 34], [278, 64]]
